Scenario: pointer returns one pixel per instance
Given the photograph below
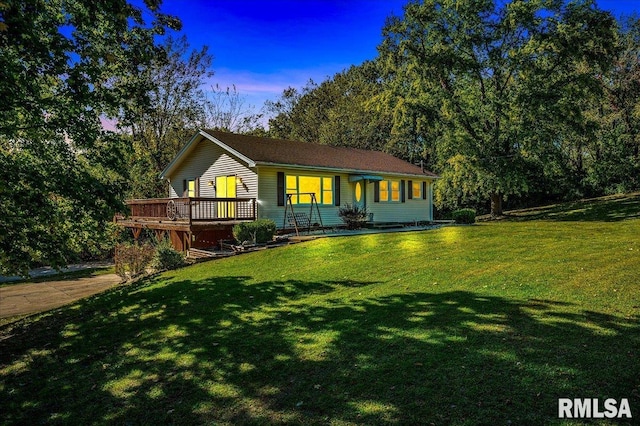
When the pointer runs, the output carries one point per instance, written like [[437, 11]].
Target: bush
[[166, 257], [132, 259], [258, 231], [466, 216], [353, 216]]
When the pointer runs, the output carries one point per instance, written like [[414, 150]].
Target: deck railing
[[191, 210]]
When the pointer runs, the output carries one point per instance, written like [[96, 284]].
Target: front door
[[226, 188]]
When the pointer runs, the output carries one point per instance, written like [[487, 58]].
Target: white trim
[[189, 146], [175, 162], [344, 171], [222, 145]]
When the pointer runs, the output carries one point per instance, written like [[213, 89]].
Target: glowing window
[[301, 187], [292, 188], [389, 190], [191, 188], [384, 190], [327, 190], [395, 190], [358, 193], [417, 190]]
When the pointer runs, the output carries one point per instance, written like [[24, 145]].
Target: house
[[219, 179]]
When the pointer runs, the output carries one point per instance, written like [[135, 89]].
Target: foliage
[[166, 257], [612, 158], [337, 112], [487, 78], [495, 324], [57, 205], [63, 67], [227, 111], [259, 231], [132, 260], [353, 216], [464, 216], [176, 109]]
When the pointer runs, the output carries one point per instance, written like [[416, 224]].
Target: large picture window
[[300, 188]]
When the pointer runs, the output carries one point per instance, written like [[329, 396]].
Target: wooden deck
[[190, 222]]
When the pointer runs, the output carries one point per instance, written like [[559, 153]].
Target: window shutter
[[410, 193], [336, 191], [197, 188], [281, 188], [402, 185], [184, 187], [424, 190], [376, 192]]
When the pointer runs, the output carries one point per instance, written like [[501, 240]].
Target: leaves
[[493, 79], [63, 67]]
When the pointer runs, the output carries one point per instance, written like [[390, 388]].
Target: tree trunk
[[496, 204]]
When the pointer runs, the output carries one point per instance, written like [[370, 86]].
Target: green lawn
[[483, 324]]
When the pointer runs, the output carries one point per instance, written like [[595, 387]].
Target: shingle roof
[[279, 151]]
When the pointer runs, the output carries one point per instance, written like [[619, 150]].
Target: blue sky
[[266, 46]]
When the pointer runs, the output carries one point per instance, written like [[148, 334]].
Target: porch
[[189, 221]]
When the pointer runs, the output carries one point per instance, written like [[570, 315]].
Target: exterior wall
[[409, 211], [208, 160], [268, 196]]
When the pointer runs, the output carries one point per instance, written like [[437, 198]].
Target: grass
[[483, 324]]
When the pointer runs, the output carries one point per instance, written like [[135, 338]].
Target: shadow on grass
[[608, 209], [289, 352]]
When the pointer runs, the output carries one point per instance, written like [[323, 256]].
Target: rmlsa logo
[[590, 408]]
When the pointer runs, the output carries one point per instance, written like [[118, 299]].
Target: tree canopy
[[490, 80], [65, 65], [519, 100]]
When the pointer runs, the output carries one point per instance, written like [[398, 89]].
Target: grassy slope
[[462, 325]]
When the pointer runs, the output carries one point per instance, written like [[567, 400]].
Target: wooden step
[[200, 254]]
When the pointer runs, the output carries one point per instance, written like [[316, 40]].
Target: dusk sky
[[266, 46]]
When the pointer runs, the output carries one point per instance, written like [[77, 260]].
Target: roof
[[257, 150]]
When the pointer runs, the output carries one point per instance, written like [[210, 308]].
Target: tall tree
[[63, 66], [340, 111], [176, 108], [616, 150], [226, 109], [488, 77], [297, 113]]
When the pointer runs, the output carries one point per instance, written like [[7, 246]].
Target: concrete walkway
[[46, 271], [29, 298]]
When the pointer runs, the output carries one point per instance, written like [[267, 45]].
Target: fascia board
[[338, 170], [227, 148], [178, 158]]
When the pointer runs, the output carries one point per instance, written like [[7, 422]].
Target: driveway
[[29, 298]]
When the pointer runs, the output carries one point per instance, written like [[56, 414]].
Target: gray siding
[[268, 195], [208, 160], [409, 211]]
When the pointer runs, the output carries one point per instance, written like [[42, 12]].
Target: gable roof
[[256, 150]]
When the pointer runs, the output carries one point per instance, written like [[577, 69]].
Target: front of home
[[221, 178]]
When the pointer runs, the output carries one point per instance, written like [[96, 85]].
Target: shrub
[[258, 231], [466, 216], [353, 216], [132, 259], [166, 257]]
